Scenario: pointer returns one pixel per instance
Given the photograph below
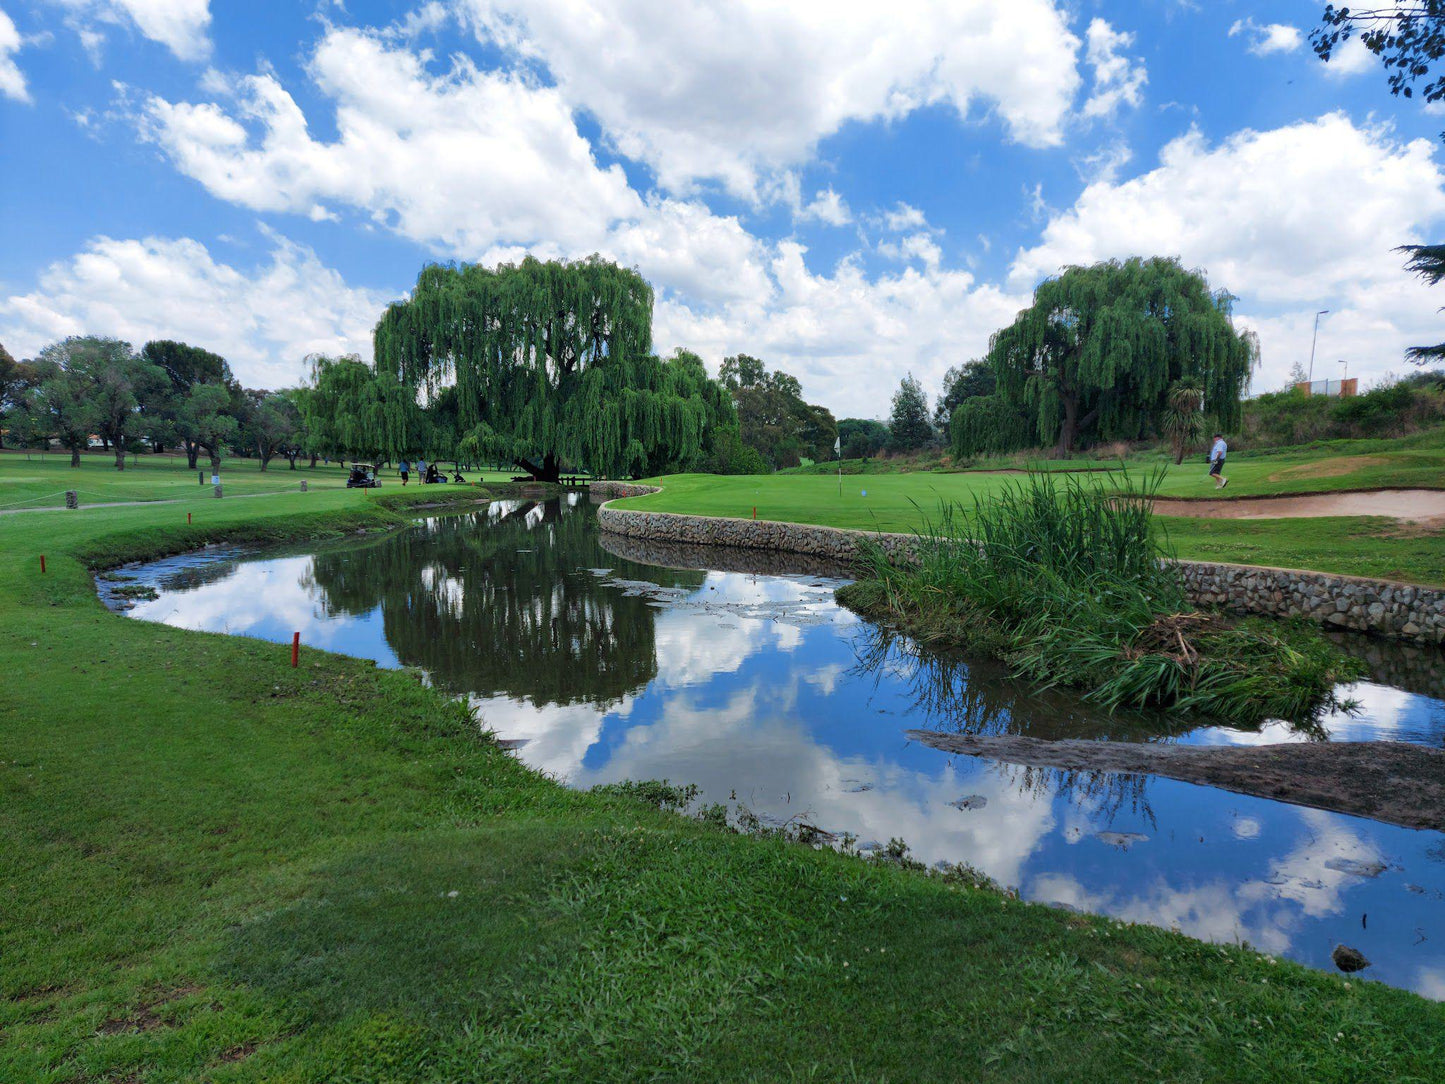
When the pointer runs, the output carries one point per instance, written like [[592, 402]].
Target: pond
[[600, 659]]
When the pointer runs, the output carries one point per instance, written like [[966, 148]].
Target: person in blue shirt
[[405, 469], [1216, 461]]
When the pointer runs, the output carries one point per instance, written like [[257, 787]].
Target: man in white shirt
[[1216, 461]]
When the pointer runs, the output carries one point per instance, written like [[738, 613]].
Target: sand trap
[[1330, 468], [1421, 505]]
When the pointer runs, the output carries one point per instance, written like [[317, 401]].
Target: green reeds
[[1070, 583]]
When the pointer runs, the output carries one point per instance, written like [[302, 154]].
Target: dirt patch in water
[[1394, 782], [1416, 505], [1330, 468]]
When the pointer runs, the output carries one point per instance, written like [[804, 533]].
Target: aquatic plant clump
[[1070, 584]]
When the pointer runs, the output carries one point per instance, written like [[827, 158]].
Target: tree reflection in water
[[500, 601]]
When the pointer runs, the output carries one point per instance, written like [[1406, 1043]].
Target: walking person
[[405, 469], [1216, 461]]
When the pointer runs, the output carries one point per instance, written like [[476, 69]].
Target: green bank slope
[[216, 867]]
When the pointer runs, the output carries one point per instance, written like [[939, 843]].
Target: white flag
[[837, 445]]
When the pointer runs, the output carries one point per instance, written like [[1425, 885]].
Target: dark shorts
[[1216, 466], [405, 475]]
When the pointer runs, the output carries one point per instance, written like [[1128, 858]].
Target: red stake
[[295, 649], [188, 519], [42, 564], [755, 511]]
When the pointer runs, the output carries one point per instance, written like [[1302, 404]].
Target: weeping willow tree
[[1098, 350], [353, 411], [552, 363]]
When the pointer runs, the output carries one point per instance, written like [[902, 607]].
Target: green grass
[[216, 867], [36, 480], [1352, 545]]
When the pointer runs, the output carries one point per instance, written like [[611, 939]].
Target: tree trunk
[[292, 457], [75, 455], [264, 456], [549, 471], [1069, 430], [215, 463], [193, 453], [120, 455], [313, 460]]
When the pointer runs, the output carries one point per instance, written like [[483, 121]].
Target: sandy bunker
[[1422, 505]]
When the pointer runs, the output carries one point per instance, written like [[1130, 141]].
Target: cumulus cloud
[[729, 94], [1266, 38], [1351, 58], [12, 79], [1295, 219], [182, 26], [264, 321], [1118, 80], [849, 338], [827, 207], [480, 164]]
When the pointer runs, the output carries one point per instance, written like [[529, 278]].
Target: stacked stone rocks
[[1400, 611]]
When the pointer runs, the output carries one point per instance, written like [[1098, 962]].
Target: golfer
[[405, 468], [1216, 461]]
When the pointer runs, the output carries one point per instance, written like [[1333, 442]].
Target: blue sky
[[850, 191]]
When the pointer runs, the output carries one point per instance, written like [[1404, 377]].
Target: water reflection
[[765, 693]]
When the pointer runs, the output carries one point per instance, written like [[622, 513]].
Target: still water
[[601, 659]]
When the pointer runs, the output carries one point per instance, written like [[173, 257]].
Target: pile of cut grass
[[1071, 584]]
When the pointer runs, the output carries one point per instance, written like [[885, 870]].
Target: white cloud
[[182, 26], [848, 338], [1351, 58], [904, 217], [703, 92], [479, 164], [916, 246], [12, 79], [828, 207], [264, 321], [1118, 80], [1294, 219], [1266, 38]]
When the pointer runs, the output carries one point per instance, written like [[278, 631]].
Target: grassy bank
[[1066, 581], [218, 867], [1351, 545]]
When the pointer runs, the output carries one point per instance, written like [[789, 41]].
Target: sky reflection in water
[[761, 690]]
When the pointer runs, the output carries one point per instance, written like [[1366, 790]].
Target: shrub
[[1069, 583]]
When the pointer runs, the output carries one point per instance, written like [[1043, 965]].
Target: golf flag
[[838, 446]]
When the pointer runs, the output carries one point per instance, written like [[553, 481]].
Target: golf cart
[[362, 476]]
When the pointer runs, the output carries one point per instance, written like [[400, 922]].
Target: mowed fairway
[[1351, 545], [33, 480], [217, 867]]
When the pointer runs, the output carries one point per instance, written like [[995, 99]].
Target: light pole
[[1313, 340], [1345, 376]]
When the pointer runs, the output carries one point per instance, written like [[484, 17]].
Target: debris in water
[[1122, 840], [1356, 867], [970, 801]]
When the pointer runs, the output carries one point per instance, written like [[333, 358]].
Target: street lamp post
[[1345, 376], [1313, 340]]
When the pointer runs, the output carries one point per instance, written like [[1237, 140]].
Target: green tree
[[1099, 347], [989, 425], [16, 379], [355, 412], [116, 383], [966, 381], [272, 426], [773, 418], [56, 408], [206, 414], [908, 426], [1183, 418], [551, 361], [1427, 261], [862, 437], [186, 366]]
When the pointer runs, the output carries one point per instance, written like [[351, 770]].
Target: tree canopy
[[551, 361], [1407, 35], [1097, 351], [908, 426], [862, 437], [773, 418], [966, 381]]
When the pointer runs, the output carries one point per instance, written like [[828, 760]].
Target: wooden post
[[42, 564], [72, 499], [295, 649]]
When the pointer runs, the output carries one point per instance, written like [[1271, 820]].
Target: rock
[[1356, 867], [1349, 960], [970, 801]]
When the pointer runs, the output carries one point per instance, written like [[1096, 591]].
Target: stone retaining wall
[[1400, 611]]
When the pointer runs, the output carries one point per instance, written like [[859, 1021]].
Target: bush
[[1069, 584], [1396, 410]]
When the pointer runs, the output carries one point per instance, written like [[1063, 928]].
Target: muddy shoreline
[[1394, 782]]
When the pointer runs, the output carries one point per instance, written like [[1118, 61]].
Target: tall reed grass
[[1071, 584]]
